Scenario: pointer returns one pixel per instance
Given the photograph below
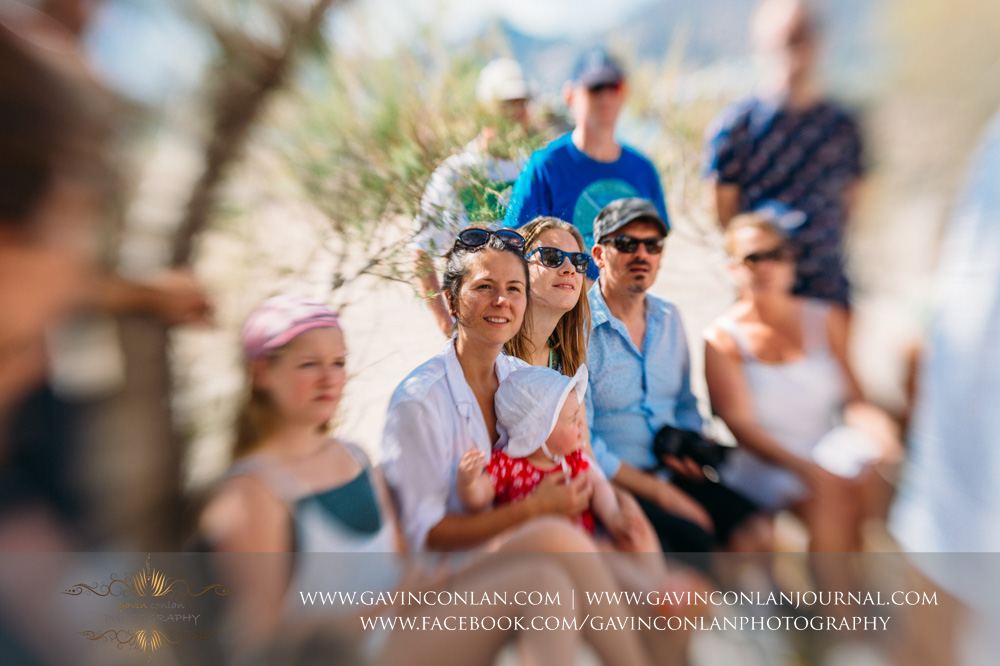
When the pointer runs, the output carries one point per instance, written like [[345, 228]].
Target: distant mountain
[[713, 32]]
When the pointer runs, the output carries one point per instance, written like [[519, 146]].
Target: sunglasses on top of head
[[779, 253], [553, 257], [628, 244], [476, 237]]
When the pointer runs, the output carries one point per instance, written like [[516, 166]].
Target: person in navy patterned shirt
[[788, 152]]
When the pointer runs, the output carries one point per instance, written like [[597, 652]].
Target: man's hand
[[684, 466], [673, 500]]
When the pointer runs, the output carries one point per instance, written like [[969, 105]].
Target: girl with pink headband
[[293, 488]]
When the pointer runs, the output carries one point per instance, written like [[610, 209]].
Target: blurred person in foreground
[[474, 184], [172, 297], [581, 172], [48, 455], [790, 152], [947, 500], [54, 182]]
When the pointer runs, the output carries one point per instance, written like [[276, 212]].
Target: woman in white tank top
[[778, 377]]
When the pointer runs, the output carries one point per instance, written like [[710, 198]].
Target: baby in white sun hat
[[540, 412]]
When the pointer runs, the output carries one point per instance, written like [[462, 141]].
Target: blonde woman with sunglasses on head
[[779, 377]]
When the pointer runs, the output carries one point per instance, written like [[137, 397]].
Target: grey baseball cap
[[620, 212]]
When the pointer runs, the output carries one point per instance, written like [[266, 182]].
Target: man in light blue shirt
[[640, 381]]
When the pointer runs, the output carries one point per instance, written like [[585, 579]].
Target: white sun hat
[[502, 80], [528, 403]]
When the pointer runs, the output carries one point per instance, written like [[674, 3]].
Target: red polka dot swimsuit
[[515, 478]]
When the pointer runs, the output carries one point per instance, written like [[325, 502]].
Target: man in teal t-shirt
[[581, 172]]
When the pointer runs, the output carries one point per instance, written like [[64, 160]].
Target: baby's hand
[[471, 467], [472, 481], [626, 528]]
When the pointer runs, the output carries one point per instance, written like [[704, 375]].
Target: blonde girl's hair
[[569, 339], [254, 421]]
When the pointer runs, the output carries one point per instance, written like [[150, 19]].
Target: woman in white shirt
[[445, 408]]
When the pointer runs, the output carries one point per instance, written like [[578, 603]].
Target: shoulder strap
[[358, 454], [815, 315], [272, 474], [729, 325]]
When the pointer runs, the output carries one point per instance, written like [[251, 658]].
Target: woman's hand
[[555, 495]]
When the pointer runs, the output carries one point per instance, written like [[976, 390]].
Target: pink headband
[[279, 320]]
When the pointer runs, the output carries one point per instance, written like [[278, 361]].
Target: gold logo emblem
[[153, 592]]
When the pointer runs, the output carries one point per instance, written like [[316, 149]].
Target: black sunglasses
[[476, 237], [628, 245], [553, 257], [779, 253], [601, 87]]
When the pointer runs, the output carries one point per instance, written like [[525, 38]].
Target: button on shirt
[[634, 393], [433, 419]]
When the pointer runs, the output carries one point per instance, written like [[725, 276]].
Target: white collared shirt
[[433, 420]]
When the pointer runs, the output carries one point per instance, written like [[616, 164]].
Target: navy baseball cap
[[595, 68]]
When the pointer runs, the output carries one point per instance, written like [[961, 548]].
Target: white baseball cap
[[502, 80]]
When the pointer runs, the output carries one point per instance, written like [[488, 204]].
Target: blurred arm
[[725, 201], [174, 297]]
